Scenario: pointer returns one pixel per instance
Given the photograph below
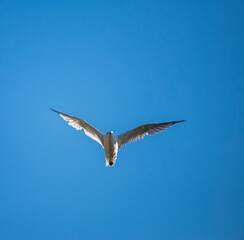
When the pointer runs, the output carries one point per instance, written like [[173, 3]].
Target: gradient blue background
[[119, 64]]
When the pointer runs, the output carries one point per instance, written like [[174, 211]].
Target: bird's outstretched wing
[[139, 132], [78, 124]]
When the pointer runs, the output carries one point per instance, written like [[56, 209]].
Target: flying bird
[[110, 142]]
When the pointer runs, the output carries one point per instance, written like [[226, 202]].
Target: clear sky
[[120, 64]]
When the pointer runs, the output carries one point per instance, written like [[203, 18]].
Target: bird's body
[[110, 148], [110, 142]]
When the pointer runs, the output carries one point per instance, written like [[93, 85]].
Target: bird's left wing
[[78, 124], [139, 132]]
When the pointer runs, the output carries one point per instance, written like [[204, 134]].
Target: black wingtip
[[179, 121], [54, 110]]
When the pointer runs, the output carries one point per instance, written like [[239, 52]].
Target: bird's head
[[109, 133]]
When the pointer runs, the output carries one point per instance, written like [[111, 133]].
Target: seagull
[[110, 142]]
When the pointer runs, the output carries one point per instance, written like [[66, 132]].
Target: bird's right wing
[[78, 124], [139, 132]]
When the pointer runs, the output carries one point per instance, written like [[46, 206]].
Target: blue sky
[[120, 64]]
